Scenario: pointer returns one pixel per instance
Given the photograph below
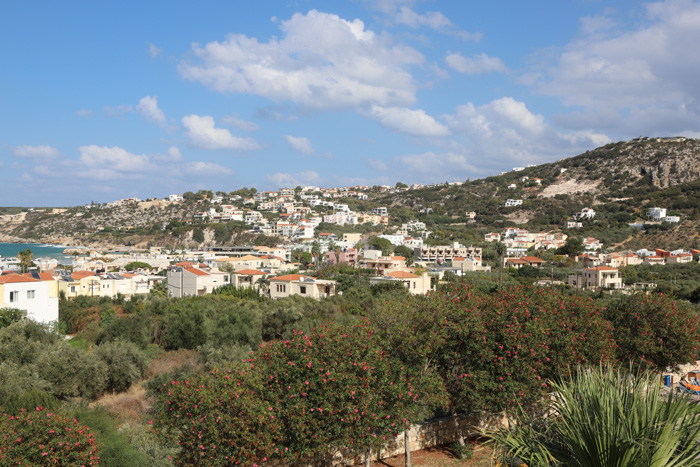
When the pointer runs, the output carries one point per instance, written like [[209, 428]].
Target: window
[[328, 289], [73, 289], [302, 289], [14, 296], [31, 294]]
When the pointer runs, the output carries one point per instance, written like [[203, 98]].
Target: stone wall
[[421, 436]]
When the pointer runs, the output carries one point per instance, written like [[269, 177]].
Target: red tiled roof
[[289, 278], [43, 276], [185, 264], [77, 275], [196, 272], [250, 272], [602, 268], [16, 278], [402, 275]]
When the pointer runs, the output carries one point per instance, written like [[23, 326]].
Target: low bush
[[43, 437]]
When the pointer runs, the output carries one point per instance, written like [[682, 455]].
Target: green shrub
[[72, 372], [28, 400], [125, 364]]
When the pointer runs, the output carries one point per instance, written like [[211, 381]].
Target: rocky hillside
[[620, 181]]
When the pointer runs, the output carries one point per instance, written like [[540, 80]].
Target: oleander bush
[[46, 437]]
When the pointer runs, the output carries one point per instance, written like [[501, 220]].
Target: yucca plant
[[606, 418]]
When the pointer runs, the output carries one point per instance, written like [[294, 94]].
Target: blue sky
[[100, 101]]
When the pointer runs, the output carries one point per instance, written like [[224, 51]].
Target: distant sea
[[10, 250]]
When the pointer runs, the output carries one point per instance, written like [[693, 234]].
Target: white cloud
[[300, 144], [376, 164], [432, 19], [202, 132], [504, 131], [413, 122], [174, 153], [637, 72], [401, 12], [118, 111], [478, 64], [36, 152], [85, 113], [206, 168], [434, 166], [322, 61], [148, 109], [308, 177], [115, 158], [153, 50], [243, 125]]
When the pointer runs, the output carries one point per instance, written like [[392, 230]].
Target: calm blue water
[[10, 250]]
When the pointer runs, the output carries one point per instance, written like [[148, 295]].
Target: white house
[[513, 202], [31, 295], [656, 214]]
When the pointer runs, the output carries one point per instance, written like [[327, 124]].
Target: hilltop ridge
[[620, 180]]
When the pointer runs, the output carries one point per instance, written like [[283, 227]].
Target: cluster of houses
[[518, 241]]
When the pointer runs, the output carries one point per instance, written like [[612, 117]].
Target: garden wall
[[424, 435]]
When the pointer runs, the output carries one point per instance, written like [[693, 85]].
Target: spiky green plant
[[607, 418]]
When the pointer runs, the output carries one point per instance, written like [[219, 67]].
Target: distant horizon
[[41, 206], [367, 92]]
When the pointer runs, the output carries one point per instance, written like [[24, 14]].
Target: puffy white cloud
[[505, 131], [153, 50], [322, 61], [102, 158], [281, 179], [478, 64], [175, 153], [36, 152], [85, 113], [203, 133], [300, 144], [148, 109], [637, 72], [243, 125], [413, 122], [436, 166]]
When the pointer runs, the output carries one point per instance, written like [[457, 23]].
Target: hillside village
[[275, 242]]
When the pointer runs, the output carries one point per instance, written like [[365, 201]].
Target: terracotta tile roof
[[289, 278], [248, 258], [516, 261], [185, 264], [197, 272], [77, 275], [402, 275], [533, 259], [250, 272], [602, 268], [43, 276], [16, 278], [128, 275], [398, 258]]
